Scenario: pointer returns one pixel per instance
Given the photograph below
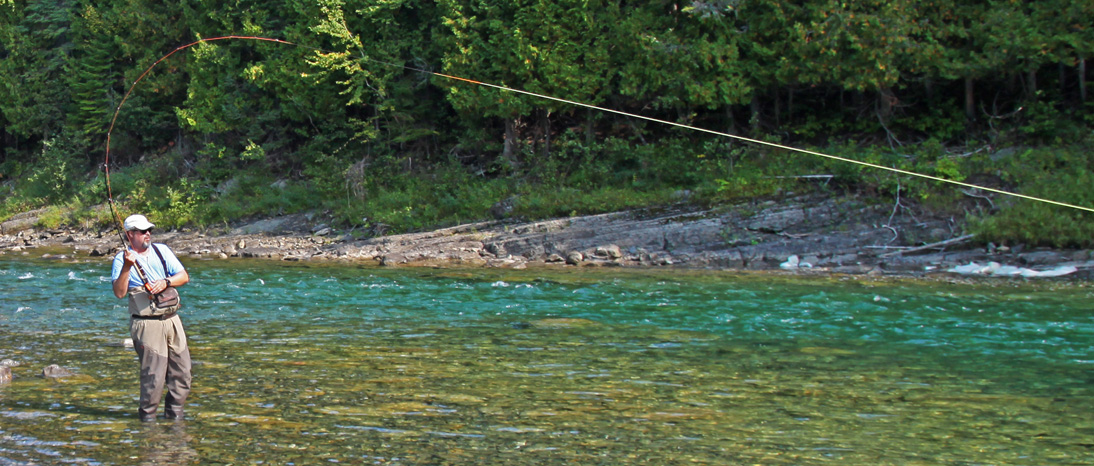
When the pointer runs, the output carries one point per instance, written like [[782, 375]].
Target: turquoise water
[[300, 363]]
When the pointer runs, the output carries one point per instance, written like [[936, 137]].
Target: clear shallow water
[[304, 364]]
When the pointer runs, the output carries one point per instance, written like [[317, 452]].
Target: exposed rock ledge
[[806, 235]]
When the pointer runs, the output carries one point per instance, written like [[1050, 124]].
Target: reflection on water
[[165, 443], [307, 365]]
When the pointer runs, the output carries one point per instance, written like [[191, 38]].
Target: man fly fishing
[[148, 273]]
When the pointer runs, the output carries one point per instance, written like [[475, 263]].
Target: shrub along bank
[[627, 177]]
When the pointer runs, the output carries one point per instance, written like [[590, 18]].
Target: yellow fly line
[[765, 143], [106, 163]]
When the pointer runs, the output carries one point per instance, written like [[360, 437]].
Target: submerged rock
[[126, 343], [564, 323], [5, 374], [55, 371], [826, 351]]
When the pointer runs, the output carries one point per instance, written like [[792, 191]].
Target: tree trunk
[[509, 148], [1031, 84], [778, 108], [545, 125], [857, 100], [589, 136], [731, 120], [1082, 80], [754, 110], [970, 101], [789, 103], [885, 101], [1063, 84]]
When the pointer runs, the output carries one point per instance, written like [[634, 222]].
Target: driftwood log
[[951, 241]]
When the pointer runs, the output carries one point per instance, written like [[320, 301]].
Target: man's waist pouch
[[141, 305]]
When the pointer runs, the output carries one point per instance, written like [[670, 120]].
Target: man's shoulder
[[164, 250]]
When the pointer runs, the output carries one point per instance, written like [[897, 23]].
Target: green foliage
[[32, 102], [216, 102], [256, 194], [662, 52], [53, 217], [89, 73], [214, 162], [182, 201], [586, 166], [943, 122], [353, 122], [1063, 174], [1039, 224], [327, 172], [13, 200], [545, 202], [752, 180], [56, 173], [413, 203], [1043, 123]]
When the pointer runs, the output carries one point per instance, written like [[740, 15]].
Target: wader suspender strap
[[158, 253]]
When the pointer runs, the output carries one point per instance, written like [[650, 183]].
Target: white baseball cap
[[137, 222]]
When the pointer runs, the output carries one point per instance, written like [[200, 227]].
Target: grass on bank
[[613, 176]]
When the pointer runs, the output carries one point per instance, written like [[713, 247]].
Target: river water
[[300, 363]]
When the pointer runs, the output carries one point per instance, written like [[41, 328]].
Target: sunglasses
[[143, 231]]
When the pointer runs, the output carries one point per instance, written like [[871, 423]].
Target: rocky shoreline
[[799, 235]]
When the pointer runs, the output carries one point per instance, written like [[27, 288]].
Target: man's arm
[[171, 262], [175, 280], [121, 285], [179, 279]]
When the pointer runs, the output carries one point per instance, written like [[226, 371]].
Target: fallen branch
[[806, 177], [897, 205], [959, 239], [826, 178], [794, 235], [972, 193], [896, 234]]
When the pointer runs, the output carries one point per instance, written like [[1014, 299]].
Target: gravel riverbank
[[800, 235]]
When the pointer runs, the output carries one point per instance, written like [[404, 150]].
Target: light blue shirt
[[151, 265]]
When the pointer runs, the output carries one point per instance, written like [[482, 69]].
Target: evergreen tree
[[89, 74], [38, 44]]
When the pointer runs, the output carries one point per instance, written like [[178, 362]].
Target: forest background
[[353, 122]]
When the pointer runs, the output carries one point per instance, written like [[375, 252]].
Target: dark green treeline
[[348, 115]]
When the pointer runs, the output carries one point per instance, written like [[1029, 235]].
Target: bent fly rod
[[106, 163], [117, 111], [118, 224]]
